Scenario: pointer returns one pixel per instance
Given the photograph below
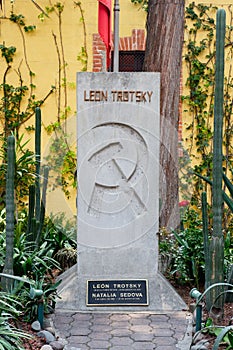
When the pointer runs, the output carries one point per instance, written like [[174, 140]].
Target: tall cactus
[[10, 209], [217, 241], [36, 203], [38, 160]]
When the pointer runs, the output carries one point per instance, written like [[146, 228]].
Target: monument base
[[162, 297]]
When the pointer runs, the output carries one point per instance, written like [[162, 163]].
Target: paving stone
[[120, 324], [156, 324], [82, 317], [139, 315], [143, 345], [167, 347], [100, 321], [99, 344], [141, 329], [123, 341], [81, 331], [121, 332], [76, 347], [142, 336], [162, 341], [116, 347], [120, 317], [61, 319], [78, 339], [163, 332], [101, 328], [81, 324], [100, 335], [159, 318], [141, 321], [64, 313]]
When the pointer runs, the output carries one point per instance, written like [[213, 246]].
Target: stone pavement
[[124, 331]]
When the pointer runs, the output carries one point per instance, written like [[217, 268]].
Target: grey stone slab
[[120, 317], [116, 347], [100, 335], [141, 329], [78, 339], [140, 321], [157, 318], [101, 328], [142, 336], [80, 331], [143, 345], [99, 344], [120, 324], [166, 347], [163, 332], [121, 341], [121, 332], [82, 317]]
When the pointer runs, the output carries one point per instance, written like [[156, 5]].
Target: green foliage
[[188, 252], [185, 250], [198, 103], [19, 19], [62, 160], [24, 171], [225, 336], [10, 337], [7, 52]]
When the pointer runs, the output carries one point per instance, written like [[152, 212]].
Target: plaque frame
[[115, 295]]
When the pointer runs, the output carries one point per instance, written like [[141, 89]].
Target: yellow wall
[[37, 51]]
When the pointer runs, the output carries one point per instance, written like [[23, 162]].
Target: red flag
[[104, 25]]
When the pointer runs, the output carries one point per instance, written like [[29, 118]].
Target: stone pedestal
[[118, 191]]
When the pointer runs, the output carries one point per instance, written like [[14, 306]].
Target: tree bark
[[165, 31]]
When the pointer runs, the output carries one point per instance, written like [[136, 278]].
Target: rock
[[35, 326], [50, 329], [46, 347], [49, 337], [46, 322], [57, 345]]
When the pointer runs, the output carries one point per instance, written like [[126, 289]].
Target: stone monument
[[118, 123]]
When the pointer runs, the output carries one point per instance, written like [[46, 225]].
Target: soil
[[183, 290]]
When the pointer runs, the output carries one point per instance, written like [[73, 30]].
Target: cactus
[[206, 246], [36, 212], [38, 160], [43, 204], [216, 248], [10, 209], [31, 209]]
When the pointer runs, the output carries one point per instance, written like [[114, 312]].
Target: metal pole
[[116, 10]]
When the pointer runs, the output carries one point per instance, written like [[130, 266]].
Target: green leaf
[[221, 336]]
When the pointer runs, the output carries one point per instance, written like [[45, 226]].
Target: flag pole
[[116, 11]]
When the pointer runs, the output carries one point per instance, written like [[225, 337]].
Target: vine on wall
[[199, 55], [62, 157]]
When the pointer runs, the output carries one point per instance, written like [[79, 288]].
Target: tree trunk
[[165, 30]]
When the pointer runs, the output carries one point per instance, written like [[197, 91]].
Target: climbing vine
[[18, 101], [199, 56]]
